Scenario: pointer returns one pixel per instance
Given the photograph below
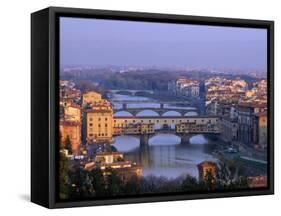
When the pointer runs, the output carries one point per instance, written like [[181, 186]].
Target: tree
[[132, 186], [98, 182], [210, 181], [67, 144], [113, 182], [63, 177], [189, 184]]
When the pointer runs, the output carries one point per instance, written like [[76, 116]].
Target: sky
[[99, 42]]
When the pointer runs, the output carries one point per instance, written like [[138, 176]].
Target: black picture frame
[[44, 102]]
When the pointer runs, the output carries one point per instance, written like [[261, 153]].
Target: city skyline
[[111, 42]]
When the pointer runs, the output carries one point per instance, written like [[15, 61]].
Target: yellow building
[[99, 121], [72, 130], [91, 98], [72, 113]]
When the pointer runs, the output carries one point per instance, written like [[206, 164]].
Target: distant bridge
[[174, 102], [130, 92], [158, 111]]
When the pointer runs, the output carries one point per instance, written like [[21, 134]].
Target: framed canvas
[[138, 107]]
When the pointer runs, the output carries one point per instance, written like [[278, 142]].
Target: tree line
[[78, 183]]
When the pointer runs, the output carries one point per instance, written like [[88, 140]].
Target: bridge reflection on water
[[165, 156]]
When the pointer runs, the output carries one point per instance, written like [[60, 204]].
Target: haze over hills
[[161, 45]]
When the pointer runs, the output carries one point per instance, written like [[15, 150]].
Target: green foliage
[[63, 177], [189, 184], [98, 182], [79, 183]]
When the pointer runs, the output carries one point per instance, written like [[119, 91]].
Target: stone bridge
[[181, 107], [131, 92], [184, 127], [158, 111]]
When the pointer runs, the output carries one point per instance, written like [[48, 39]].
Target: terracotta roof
[[207, 163]]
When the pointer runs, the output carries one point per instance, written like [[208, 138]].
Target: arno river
[[165, 156]]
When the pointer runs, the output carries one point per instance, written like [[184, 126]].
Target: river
[[165, 156]]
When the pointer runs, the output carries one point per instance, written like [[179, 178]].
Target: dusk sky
[[127, 43]]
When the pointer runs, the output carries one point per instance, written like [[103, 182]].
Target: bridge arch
[[123, 113], [147, 112], [191, 113], [164, 139], [171, 113]]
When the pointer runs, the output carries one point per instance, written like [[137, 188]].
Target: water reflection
[[165, 156]]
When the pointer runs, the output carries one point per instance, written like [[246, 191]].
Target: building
[[229, 129], [205, 168], [108, 161], [257, 181], [99, 123], [260, 130], [72, 130], [246, 122], [91, 98], [109, 157], [72, 113], [184, 87]]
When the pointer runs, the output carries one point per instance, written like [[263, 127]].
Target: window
[[90, 119], [105, 125], [105, 119], [99, 125], [99, 119], [90, 124]]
